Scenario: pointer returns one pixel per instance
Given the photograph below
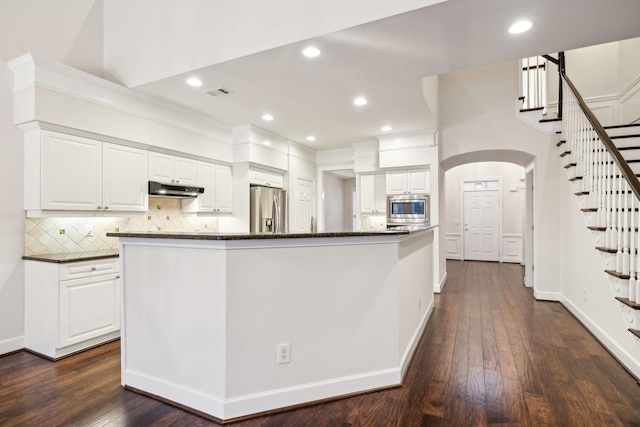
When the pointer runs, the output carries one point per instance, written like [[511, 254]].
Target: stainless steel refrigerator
[[268, 210]]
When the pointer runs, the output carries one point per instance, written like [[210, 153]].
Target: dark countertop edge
[[71, 257], [266, 236]]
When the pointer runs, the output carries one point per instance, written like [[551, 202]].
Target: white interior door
[[482, 225], [304, 204]]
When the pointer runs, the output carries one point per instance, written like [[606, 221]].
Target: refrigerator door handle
[[275, 214]]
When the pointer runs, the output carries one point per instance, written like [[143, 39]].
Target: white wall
[[477, 123], [188, 35], [74, 38], [585, 288]]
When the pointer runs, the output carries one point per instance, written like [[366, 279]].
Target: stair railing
[[612, 187]]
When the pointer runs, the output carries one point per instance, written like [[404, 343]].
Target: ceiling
[[385, 61]]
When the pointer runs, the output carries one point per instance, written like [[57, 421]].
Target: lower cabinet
[[72, 306]]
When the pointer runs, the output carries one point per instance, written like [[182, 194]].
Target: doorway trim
[[529, 225]]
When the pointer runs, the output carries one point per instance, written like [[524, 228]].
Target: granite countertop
[[73, 256], [261, 236]]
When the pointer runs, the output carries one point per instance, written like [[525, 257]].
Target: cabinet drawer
[[78, 270]]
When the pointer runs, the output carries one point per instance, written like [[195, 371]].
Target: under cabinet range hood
[[176, 191]]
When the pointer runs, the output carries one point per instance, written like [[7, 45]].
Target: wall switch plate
[[284, 353], [88, 230]]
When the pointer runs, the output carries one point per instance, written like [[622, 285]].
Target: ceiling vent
[[219, 92]]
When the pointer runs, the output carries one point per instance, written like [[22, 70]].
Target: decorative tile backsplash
[[78, 234], [373, 222]]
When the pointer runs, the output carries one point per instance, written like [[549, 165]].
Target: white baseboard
[[11, 344], [439, 287], [415, 339], [547, 296], [630, 362], [235, 407]]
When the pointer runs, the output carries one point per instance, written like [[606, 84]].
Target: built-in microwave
[[408, 209]]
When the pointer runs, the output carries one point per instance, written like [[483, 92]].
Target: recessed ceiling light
[[311, 52], [267, 117], [311, 138], [520, 27], [386, 128], [360, 101], [194, 81]]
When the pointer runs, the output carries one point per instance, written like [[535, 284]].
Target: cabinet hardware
[[106, 207], [99, 207], [93, 269]]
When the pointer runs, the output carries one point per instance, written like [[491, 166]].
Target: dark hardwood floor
[[491, 355]]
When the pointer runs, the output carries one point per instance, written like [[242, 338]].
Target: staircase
[[603, 165]]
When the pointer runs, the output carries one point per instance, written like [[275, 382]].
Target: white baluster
[[625, 228], [619, 222], [632, 268], [612, 198]]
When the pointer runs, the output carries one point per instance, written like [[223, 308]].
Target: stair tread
[[607, 250], [619, 276], [631, 125], [631, 304], [561, 142], [635, 332], [566, 153]]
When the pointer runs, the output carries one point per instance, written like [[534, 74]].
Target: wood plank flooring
[[491, 356]]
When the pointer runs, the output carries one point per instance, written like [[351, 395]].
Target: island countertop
[[263, 236]]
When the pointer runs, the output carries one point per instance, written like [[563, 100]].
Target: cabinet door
[[380, 193], [206, 177], [396, 182], [185, 172], [368, 194], [274, 179], [161, 167], [89, 308], [124, 178], [418, 181], [223, 188], [71, 172]]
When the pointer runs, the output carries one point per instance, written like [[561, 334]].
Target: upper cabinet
[[372, 194], [413, 181], [172, 169], [125, 177], [72, 173], [266, 178], [217, 183]]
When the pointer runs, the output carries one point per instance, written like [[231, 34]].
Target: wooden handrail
[[622, 164]]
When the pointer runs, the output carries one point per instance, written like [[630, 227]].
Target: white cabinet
[[373, 198], [124, 178], [266, 178], [217, 183], [71, 173], [82, 174], [172, 169], [414, 181], [70, 307]]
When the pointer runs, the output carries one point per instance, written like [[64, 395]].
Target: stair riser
[[627, 142], [627, 130]]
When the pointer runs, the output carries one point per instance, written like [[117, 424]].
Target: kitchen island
[[231, 325]]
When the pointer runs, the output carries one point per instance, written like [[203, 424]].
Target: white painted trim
[[628, 360], [11, 344], [415, 339], [546, 296], [454, 246], [506, 240], [439, 287]]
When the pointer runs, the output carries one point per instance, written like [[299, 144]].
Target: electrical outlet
[[584, 293], [284, 353], [419, 303], [88, 230]]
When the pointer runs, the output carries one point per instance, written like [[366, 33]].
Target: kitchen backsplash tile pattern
[[79, 234], [373, 222]]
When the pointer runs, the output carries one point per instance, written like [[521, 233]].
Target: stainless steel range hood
[[176, 191]]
